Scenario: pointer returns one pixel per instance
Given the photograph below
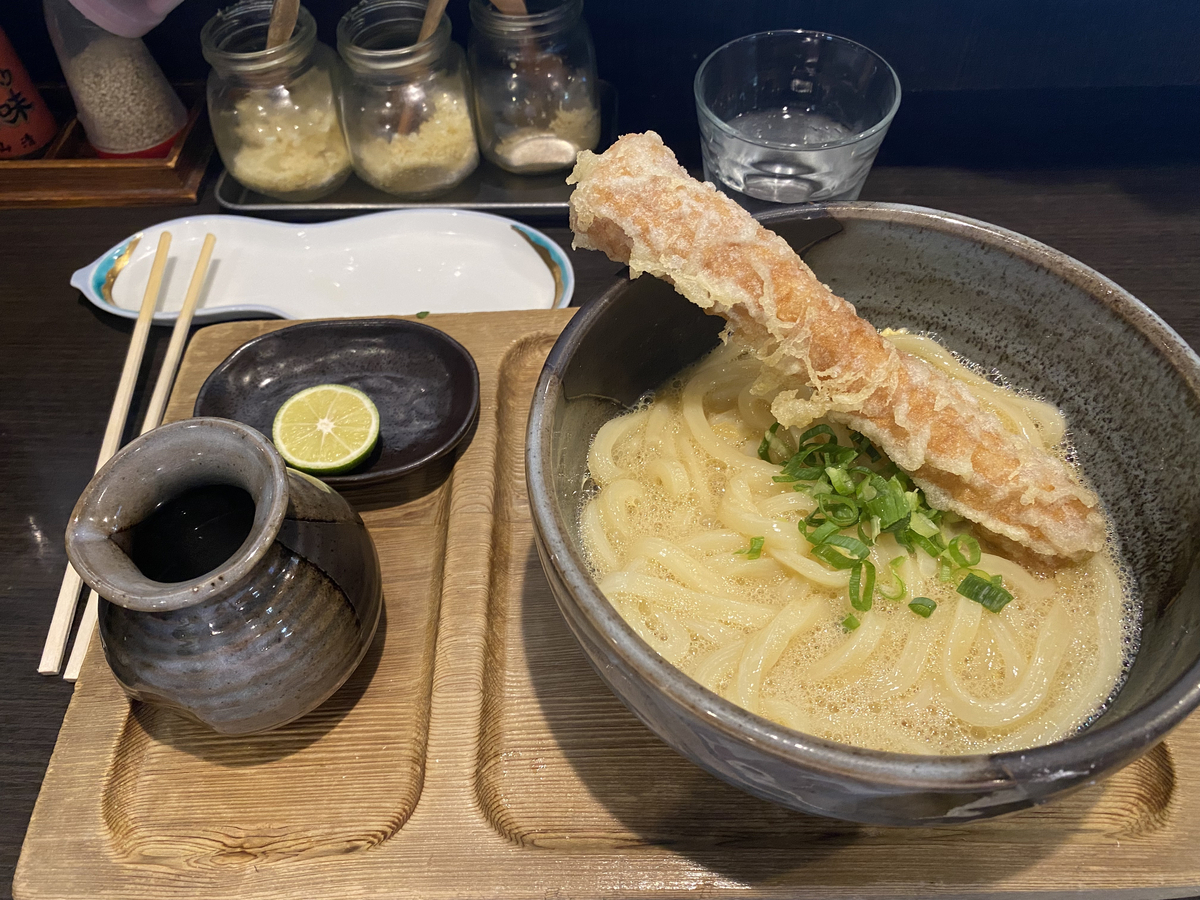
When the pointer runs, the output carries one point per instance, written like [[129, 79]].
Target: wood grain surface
[[69, 174], [476, 754], [60, 360]]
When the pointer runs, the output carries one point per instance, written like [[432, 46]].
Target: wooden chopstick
[[68, 594], [170, 366], [154, 415]]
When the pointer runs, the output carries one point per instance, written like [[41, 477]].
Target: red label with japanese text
[[26, 124]]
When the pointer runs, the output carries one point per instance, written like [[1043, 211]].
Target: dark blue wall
[[986, 82]]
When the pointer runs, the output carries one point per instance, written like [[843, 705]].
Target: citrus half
[[327, 429]]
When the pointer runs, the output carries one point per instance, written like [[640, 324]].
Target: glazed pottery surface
[[423, 382], [267, 635], [1130, 388]]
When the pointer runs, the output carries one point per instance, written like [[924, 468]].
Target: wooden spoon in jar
[[433, 15], [429, 24], [536, 67], [283, 22]]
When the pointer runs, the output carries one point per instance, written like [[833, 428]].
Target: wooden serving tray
[[70, 174], [476, 755]]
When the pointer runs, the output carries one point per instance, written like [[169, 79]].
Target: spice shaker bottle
[[274, 113], [121, 96], [26, 124], [405, 104], [534, 77]]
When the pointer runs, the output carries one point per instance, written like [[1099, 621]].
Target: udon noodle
[[708, 553]]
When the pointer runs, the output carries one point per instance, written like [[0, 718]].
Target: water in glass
[[784, 155]]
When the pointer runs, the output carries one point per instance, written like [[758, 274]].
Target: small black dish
[[424, 382]]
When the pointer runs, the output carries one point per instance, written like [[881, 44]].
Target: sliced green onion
[[868, 530], [764, 449], [817, 488], [804, 473], [841, 551], [919, 522], [422, 314], [754, 551], [841, 511], [850, 623], [932, 546], [864, 445], [923, 606], [821, 533], [841, 480], [945, 574], [862, 586], [818, 429], [800, 457], [901, 588], [834, 557], [842, 456], [964, 551], [853, 546], [987, 594], [889, 504]]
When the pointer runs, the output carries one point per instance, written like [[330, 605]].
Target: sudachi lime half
[[327, 429]]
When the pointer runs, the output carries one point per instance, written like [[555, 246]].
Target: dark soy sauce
[[190, 535]]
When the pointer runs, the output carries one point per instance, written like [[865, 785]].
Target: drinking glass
[[793, 116]]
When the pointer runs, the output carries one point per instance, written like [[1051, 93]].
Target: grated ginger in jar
[[435, 157], [289, 139]]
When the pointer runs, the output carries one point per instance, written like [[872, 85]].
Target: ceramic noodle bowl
[[254, 636], [1127, 384]]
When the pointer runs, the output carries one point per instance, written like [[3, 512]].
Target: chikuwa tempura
[[848, 532]]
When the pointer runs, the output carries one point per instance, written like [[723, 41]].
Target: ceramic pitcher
[[253, 641]]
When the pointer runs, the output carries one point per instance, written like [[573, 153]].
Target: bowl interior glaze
[[1129, 386]]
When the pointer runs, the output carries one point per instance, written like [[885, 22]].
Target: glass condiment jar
[[534, 75], [405, 104], [121, 96], [274, 112]]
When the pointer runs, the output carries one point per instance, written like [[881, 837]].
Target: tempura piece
[[635, 203]]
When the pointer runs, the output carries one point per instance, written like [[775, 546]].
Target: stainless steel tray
[[489, 188]]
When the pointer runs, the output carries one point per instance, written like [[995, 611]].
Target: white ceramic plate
[[391, 263]]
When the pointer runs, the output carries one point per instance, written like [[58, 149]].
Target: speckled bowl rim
[[1094, 751]]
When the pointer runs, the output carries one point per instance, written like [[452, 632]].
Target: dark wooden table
[[60, 360]]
